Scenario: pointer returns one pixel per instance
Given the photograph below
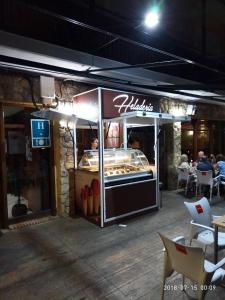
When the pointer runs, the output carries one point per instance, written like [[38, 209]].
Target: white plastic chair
[[206, 178], [190, 262], [201, 224], [183, 175]]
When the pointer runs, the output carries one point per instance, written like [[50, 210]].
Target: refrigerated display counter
[[119, 164], [129, 183]]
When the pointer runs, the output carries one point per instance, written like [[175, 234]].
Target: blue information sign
[[40, 133]]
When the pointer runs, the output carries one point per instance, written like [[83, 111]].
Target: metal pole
[[101, 158], [75, 145], [156, 159], [125, 133]]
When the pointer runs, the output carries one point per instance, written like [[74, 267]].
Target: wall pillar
[[173, 146]]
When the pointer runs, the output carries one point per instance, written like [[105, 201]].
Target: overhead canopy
[[177, 65], [56, 115], [140, 118]]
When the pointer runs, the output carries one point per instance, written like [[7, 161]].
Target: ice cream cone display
[[96, 195], [90, 202]]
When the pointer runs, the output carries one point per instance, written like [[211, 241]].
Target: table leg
[[216, 244]]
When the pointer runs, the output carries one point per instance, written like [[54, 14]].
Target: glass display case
[[118, 163]]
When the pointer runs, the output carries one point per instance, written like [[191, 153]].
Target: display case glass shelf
[[118, 163]]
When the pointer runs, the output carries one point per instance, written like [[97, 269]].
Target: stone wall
[[21, 88], [65, 90], [173, 138], [66, 163], [17, 87]]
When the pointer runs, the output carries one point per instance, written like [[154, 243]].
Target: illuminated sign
[[125, 102], [113, 103], [116, 103], [40, 133]]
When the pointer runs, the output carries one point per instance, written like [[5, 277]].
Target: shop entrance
[[27, 172]]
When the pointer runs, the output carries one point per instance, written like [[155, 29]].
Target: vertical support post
[[75, 144], [125, 133], [101, 157], [3, 177], [156, 134]]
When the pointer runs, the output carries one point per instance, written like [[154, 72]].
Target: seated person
[[185, 165], [212, 159], [220, 163], [184, 162], [204, 164], [200, 155]]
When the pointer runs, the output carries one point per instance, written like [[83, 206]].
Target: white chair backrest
[[204, 177], [183, 173], [200, 211], [186, 260]]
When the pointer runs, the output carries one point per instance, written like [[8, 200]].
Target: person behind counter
[[134, 142], [94, 143]]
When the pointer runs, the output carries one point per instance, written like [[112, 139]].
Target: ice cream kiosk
[[117, 183]]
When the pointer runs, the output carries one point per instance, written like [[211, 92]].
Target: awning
[[139, 118], [56, 115]]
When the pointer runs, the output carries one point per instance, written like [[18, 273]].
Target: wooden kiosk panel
[[131, 198]]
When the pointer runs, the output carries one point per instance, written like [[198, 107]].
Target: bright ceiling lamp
[[152, 18]]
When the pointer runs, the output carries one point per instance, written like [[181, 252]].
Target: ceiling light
[[152, 18]]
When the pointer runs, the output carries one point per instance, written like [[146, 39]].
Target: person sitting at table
[[212, 159], [205, 165], [184, 162], [201, 153], [220, 164], [185, 165]]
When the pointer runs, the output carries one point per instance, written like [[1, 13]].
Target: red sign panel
[[199, 209], [116, 103], [181, 248]]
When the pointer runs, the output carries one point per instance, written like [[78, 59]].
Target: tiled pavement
[[73, 259]]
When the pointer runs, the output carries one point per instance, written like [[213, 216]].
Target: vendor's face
[[136, 145], [94, 144]]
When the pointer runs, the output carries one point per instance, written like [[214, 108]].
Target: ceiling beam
[[146, 65], [98, 23], [104, 81]]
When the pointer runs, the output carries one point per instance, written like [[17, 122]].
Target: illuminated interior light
[[66, 108], [83, 110]]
